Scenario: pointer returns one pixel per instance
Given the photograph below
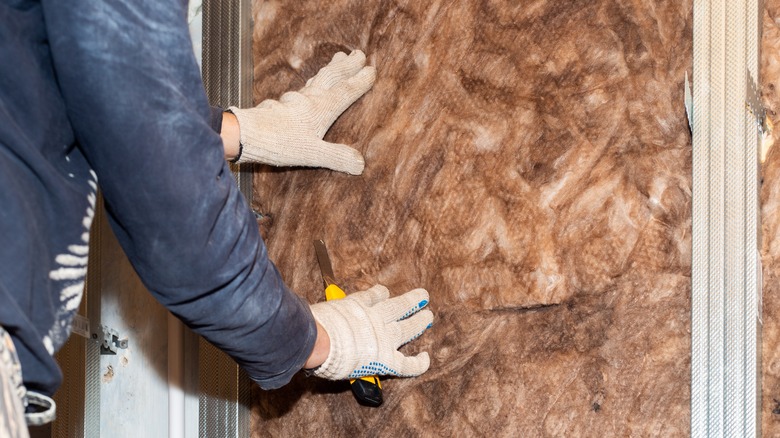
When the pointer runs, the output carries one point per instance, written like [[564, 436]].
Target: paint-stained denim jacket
[[107, 93]]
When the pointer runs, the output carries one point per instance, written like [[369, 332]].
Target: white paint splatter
[[71, 260], [70, 271], [79, 249], [67, 273]]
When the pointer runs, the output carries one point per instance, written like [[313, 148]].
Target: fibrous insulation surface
[[529, 163], [770, 200]]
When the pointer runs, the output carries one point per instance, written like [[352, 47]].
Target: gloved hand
[[366, 329], [289, 132]]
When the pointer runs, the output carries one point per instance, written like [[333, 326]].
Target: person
[[108, 94]]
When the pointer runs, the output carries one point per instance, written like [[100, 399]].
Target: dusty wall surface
[[530, 165]]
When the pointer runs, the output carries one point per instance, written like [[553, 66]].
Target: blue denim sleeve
[[215, 119], [135, 99]]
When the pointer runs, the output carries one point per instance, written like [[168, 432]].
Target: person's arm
[[231, 136], [321, 349], [136, 102], [137, 105], [225, 124]]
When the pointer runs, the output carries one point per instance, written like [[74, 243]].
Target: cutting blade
[[324, 260]]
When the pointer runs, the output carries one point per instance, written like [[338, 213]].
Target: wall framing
[[227, 75], [726, 287]]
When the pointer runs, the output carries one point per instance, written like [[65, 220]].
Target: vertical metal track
[[70, 422], [726, 349], [227, 64], [92, 295], [227, 76], [78, 400], [224, 395], [753, 267]]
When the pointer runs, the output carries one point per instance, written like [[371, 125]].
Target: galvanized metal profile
[[92, 296], [224, 395], [227, 76], [726, 292], [227, 64], [78, 400]]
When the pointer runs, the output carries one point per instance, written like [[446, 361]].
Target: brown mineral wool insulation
[[530, 165], [770, 201]]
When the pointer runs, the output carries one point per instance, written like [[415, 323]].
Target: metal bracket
[[109, 340], [80, 326], [753, 103], [688, 103]]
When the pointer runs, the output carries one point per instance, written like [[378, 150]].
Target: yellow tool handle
[[333, 292]]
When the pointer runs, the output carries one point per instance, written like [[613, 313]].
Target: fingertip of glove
[[412, 366], [355, 172], [424, 362], [427, 316], [339, 56], [353, 166], [349, 63], [380, 290], [371, 296], [356, 168], [418, 323], [356, 163], [358, 55], [420, 296], [339, 157]]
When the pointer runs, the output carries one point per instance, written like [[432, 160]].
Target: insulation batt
[[770, 212], [529, 163]]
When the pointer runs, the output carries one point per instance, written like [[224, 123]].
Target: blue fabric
[[215, 119], [113, 87]]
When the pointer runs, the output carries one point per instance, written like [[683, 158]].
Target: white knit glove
[[366, 329], [289, 132]]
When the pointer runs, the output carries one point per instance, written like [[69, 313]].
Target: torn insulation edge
[[767, 137]]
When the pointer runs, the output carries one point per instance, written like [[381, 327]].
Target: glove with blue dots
[[367, 328]]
